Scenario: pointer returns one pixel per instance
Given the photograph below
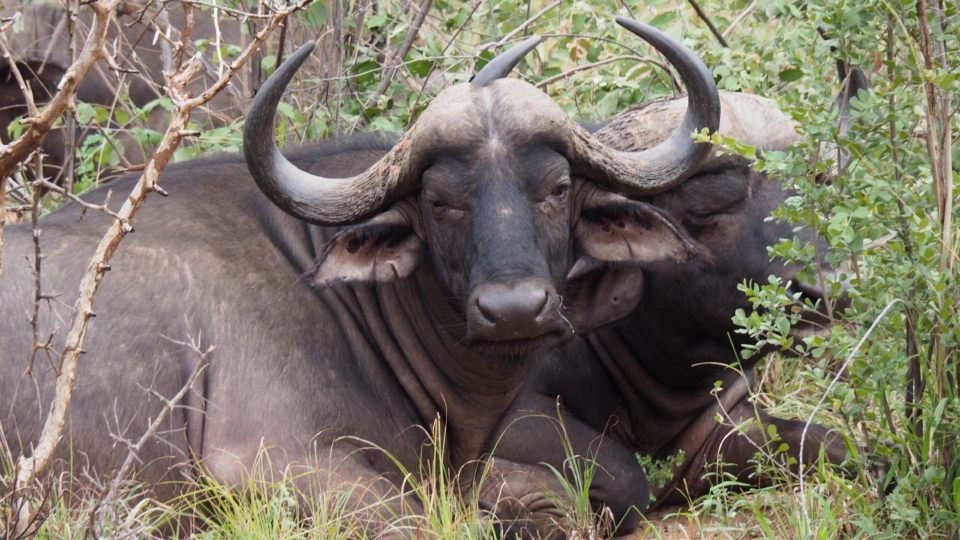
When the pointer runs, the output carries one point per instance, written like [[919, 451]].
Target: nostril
[[487, 308], [537, 300]]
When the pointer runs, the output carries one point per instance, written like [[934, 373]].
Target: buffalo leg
[[533, 435], [735, 449]]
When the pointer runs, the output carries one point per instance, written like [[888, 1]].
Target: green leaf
[[315, 15], [483, 58], [85, 112], [784, 326], [286, 110], [420, 68], [268, 62], [384, 124], [366, 71], [163, 102], [852, 17], [790, 75], [663, 19], [185, 153], [377, 21]]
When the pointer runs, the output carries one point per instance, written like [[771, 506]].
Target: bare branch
[[35, 465], [603, 62], [94, 49], [713, 29], [7, 23], [165, 29], [119, 478], [391, 68], [84, 204]]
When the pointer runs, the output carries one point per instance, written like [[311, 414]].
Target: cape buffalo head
[[497, 189], [724, 206]]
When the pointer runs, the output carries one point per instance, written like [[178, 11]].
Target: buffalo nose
[[512, 305], [511, 312]]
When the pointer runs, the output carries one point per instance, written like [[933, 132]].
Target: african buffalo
[[647, 384], [330, 340]]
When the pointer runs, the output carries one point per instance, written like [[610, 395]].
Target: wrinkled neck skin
[[418, 337], [421, 338], [664, 377]]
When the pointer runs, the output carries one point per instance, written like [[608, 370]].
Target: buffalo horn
[[668, 164], [502, 65], [318, 200]]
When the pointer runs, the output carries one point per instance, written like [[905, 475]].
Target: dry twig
[[713, 29], [603, 62], [29, 468], [111, 496], [18, 151], [8, 22]]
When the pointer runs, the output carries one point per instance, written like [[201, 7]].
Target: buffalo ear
[[615, 229], [601, 295], [382, 249], [616, 238]]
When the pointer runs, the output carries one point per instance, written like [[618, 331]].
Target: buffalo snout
[[518, 311]]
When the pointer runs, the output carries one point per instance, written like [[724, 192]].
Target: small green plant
[[659, 471]]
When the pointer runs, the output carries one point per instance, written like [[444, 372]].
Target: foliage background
[[888, 217]]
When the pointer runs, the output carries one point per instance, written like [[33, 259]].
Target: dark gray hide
[[647, 383], [327, 338]]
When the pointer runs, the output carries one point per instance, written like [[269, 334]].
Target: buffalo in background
[[42, 55], [647, 384], [388, 286]]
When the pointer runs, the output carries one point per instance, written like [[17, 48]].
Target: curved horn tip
[[302, 52], [664, 166], [502, 65], [695, 74], [277, 82], [635, 26]]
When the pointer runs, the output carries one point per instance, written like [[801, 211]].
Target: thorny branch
[[16, 152], [114, 490], [167, 31], [29, 468]]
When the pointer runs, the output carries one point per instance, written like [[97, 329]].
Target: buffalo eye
[[441, 209], [557, 197], [560, 192], [701, 219]]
